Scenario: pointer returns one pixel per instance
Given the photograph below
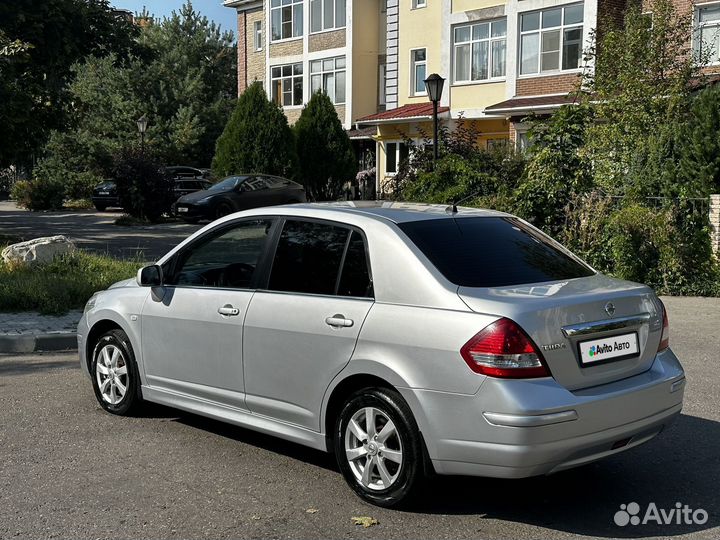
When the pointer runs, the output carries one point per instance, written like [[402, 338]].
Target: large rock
[[39, 250]]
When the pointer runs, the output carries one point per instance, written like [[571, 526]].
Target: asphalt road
[[95, 231], [67, 469]]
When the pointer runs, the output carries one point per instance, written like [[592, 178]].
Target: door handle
[[339, 321], [228, 310]]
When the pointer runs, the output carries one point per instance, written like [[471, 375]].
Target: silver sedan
[[406, 339]]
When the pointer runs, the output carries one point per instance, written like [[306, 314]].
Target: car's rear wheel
[[223, 210], [378, 447], [100, 207], [115, 375]]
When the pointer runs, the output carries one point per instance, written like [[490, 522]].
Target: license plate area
[[593, 352], [182, 209]]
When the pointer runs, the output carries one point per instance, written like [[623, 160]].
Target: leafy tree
[[188, 85], [257, 138], [325, 154], [699, 167], [46, 39], [558, 167], [641, 80], [144, 190], [105, 106], [182, 81]]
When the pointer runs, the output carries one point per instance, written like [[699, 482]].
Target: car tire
[[223, 210], [100, 207], [113, 369], [386, 482]]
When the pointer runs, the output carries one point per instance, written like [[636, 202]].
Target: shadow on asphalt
[[266, 442], [682, 465], [23, 367]]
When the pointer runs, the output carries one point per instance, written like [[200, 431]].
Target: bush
[[324, 151], [557, 168], [667, 247], [65, 283], [454, 178], [257, 138], [144, 191], [38, 195]]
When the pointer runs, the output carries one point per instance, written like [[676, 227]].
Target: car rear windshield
[[491, 252]]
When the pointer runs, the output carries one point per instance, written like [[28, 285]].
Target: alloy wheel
[[373, 449], [112, 374]]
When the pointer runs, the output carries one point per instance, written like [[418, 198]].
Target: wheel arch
[[363, 374], [99, 327]]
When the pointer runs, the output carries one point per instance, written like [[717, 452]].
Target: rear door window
[[308, 258], [492, 252], [355, 278]]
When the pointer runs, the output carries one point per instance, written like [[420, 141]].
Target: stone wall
[[715, 223]]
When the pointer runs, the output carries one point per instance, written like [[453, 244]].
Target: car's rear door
[[301, 330], [192, 338]]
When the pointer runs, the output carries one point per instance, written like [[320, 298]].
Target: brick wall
[[715, 223], [326, 40], [292, 114], [286, 48], [242, 51], [555, 84], [255, 59]]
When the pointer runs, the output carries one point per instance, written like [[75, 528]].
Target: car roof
[[397, 212]]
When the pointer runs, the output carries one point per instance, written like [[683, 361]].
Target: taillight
[[502, 349], [665, 338]]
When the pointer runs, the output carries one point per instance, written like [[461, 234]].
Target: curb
[[29, 343]]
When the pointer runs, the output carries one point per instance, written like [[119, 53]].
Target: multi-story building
[[297, 47], [502, 59]]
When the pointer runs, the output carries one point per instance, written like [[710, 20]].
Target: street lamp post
[[142, 123], [434, 86]]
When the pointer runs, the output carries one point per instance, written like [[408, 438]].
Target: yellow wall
[[418, 28], [476, 96], [487, 129], [365, 38], [467, 5]]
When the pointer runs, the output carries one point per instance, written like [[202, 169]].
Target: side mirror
[[150, 276]]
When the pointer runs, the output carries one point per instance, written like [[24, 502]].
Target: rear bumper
[[193, 211], [107, 200], [520, 428]]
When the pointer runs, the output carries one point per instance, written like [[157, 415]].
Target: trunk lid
[[560, 315]]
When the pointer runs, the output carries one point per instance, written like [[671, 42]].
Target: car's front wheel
[[100, 207], [378, 447], [114, 374]]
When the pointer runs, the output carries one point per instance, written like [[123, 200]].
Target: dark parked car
[[186, 180], [105, 195], [236, 193], [186, 186]]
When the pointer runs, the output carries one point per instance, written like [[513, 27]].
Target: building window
[[286, 18], [522, 141], [395, 154], [257, 35], [707, 34], [480, 51], [419, 4], [382, 80], [327, 15], [551, 40], [328, 76], [418, 71], [287, 84]]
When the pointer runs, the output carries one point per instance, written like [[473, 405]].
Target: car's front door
[[192, 337], [302, 329]]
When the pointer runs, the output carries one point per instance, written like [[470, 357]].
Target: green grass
[[62, 285]]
